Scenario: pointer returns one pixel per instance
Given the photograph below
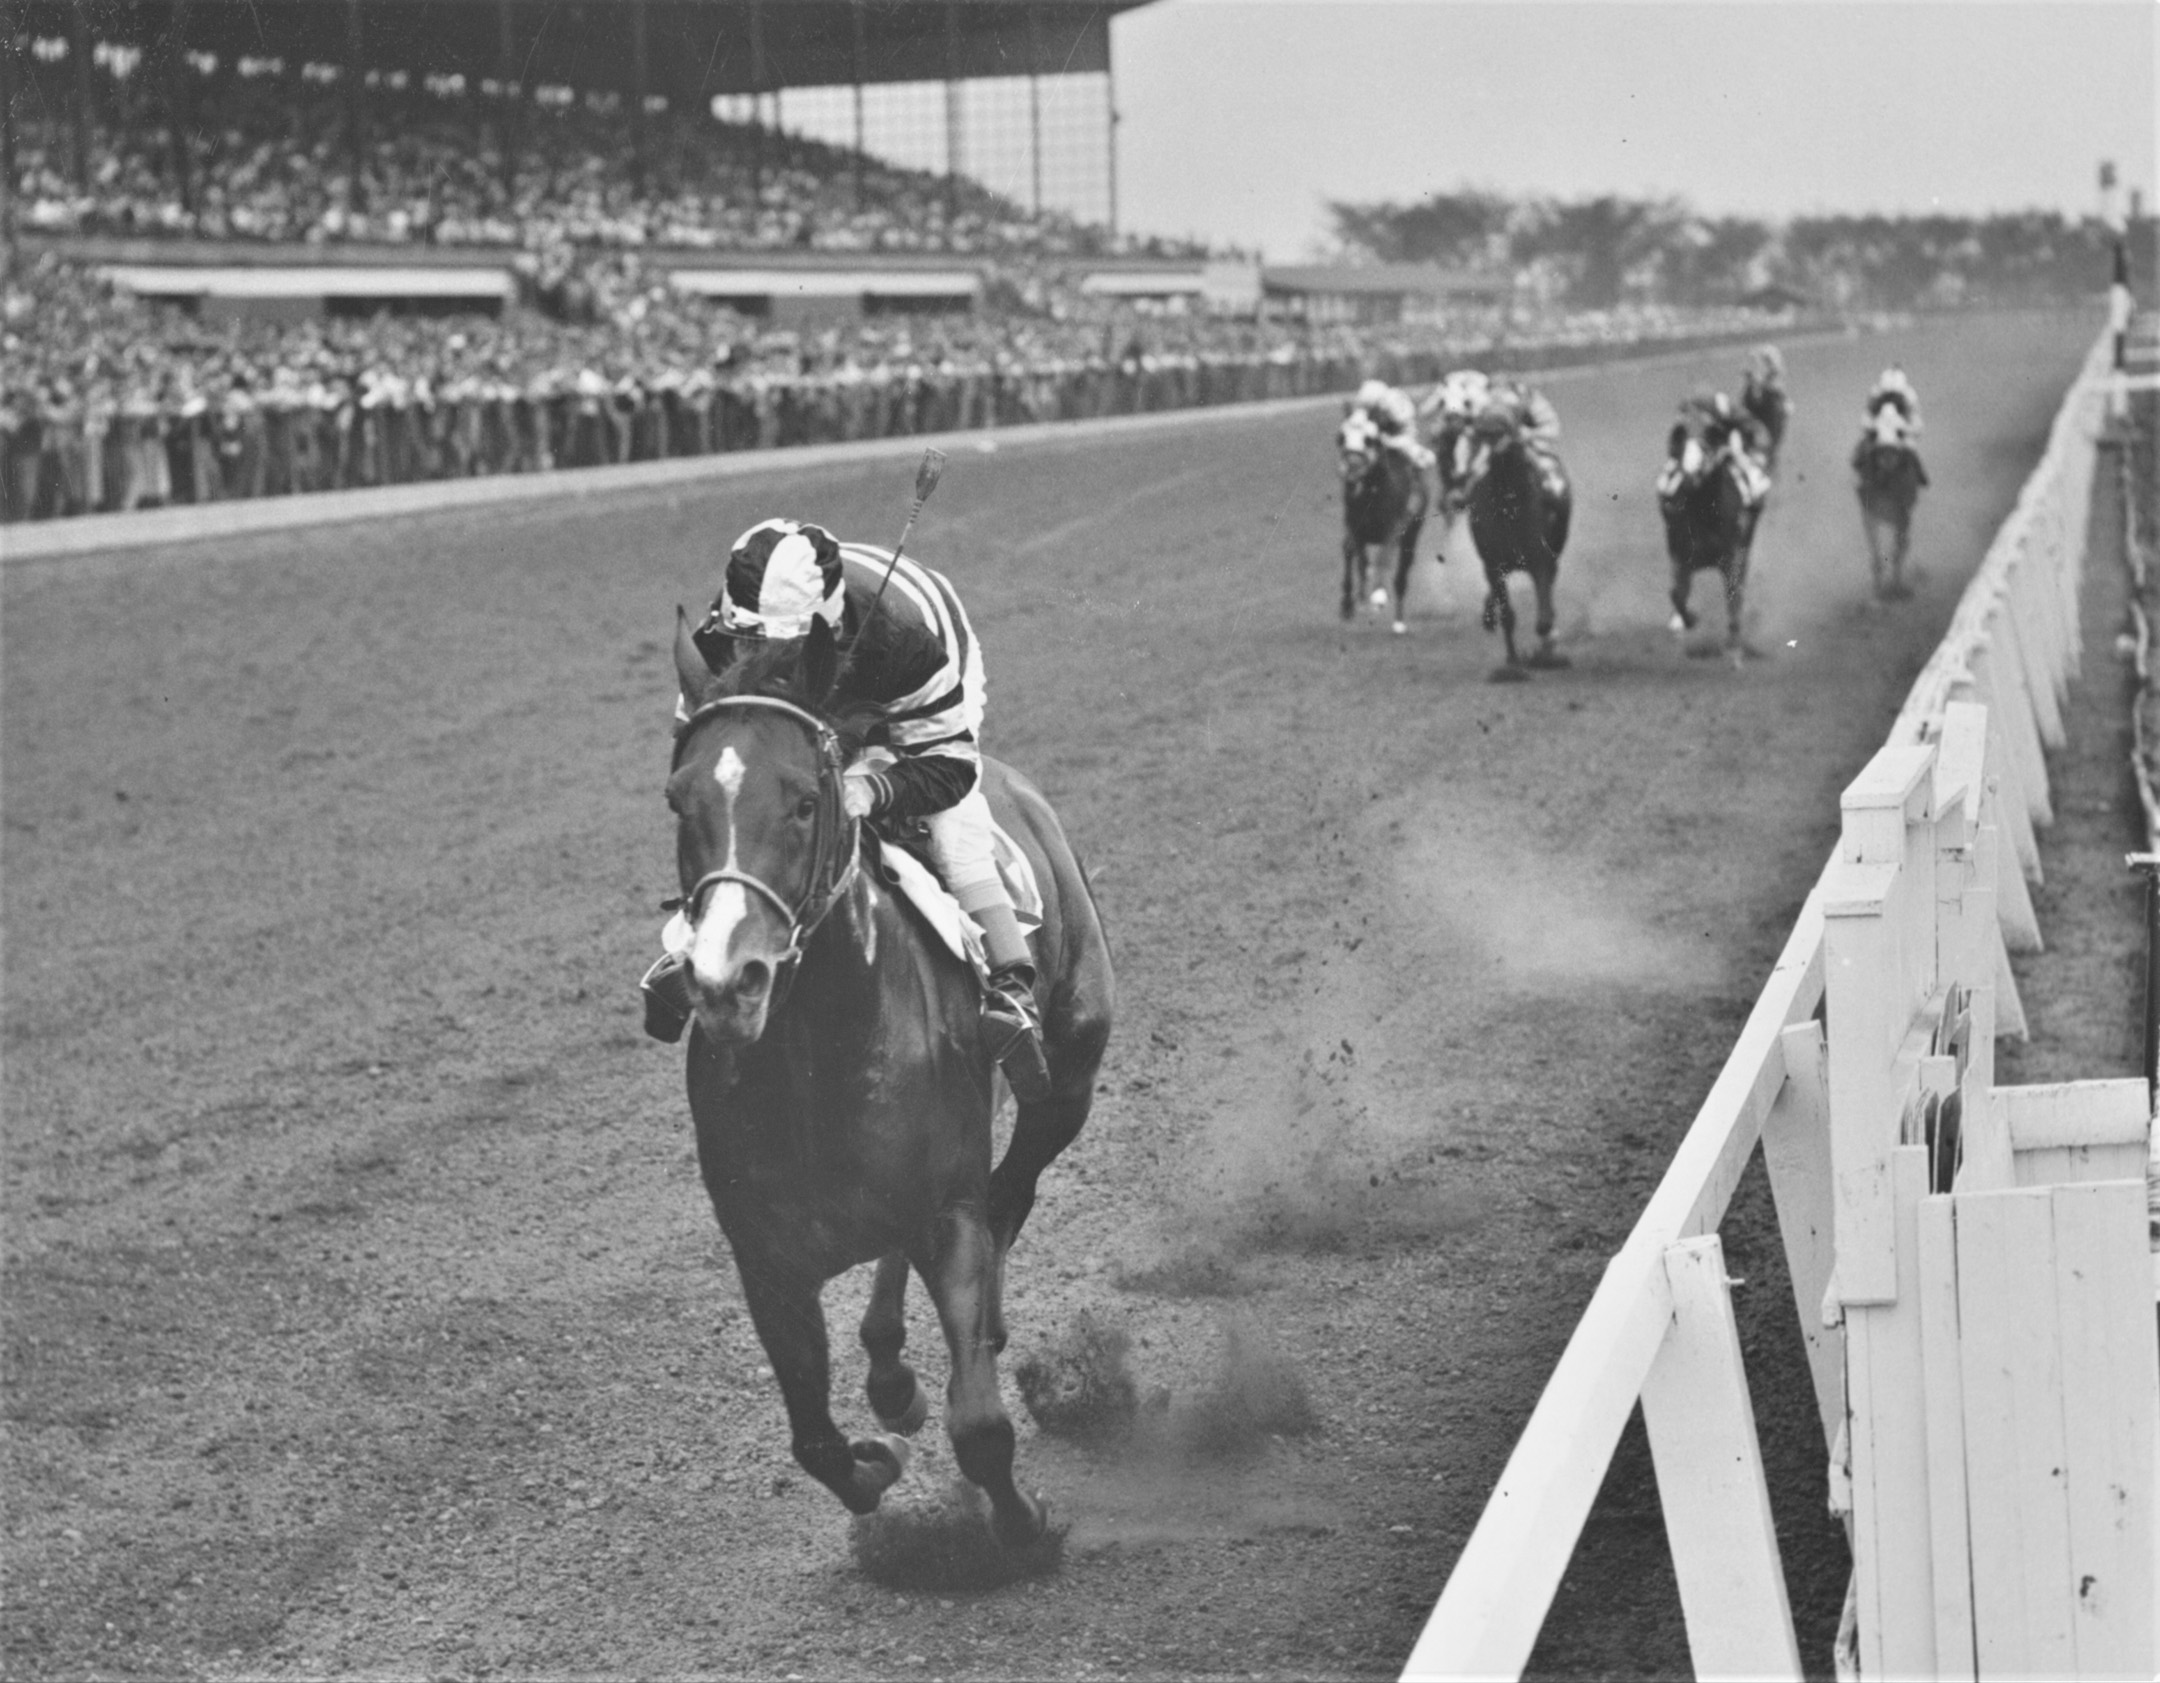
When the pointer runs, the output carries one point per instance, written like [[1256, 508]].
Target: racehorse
[[1385, 500], [837, 1077], [1707, 525], [1890, 477], [1519, 526]]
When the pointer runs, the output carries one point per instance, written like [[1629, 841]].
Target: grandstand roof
[[693, 49]]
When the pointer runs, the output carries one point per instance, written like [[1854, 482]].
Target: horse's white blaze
[[1691, 459], [725, 909], [728, 773]]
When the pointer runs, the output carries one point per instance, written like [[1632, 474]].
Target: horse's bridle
[[833, 849]]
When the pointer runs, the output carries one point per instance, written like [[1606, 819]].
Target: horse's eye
[[806, 808]]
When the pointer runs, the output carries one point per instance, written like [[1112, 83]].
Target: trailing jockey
[[1893, 418], [919, 666], [1762, 387], [1534, 417], [1728, 433], [1394, 417], [1448, 411]]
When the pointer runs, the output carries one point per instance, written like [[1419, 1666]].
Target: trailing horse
[[1889, 480], [837, 1077], [1385, 500], [1708, 526], [1520, 525]]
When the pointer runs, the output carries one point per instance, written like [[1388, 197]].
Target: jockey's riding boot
[[1012, 1029], [666, 987]]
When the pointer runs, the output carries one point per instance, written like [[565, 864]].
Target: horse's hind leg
[[896, 1397], [790, 1323], [961, 1275]]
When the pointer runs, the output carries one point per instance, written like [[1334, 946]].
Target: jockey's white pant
[[960, 842]]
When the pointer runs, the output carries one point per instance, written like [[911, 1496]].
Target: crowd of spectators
[[270, 156], [107, 403]]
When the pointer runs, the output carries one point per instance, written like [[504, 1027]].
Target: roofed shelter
[[686, 52]]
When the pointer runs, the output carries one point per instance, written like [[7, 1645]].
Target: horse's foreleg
[[1353, 555], [961, 1276], [790, 1323], [896, 1397], [1735, 571], [1541, 580], [1405, 555]]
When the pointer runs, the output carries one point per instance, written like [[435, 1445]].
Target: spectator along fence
[[1970, 1263]]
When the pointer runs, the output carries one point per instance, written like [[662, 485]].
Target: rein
[[833, 849]]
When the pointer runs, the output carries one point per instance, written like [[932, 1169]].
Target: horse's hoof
[[909, 1420], [1399, 628], [1026, 1530], [879, 1462], [1508, 675], [1378, 598], [1348, 612]]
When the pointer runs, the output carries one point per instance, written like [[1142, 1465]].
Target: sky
[[1241, 118]]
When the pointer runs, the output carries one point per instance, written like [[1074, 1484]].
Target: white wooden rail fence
[[1970, 1263]]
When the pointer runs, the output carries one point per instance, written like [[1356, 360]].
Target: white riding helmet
[[1372, 392], [1464, 392], [781, 576]]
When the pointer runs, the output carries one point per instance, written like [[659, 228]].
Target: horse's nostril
[[753, 978]]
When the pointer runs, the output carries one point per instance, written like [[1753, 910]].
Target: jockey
[[1892, 386], [1730, 433], [1538, 421], [922, 670], [1889, 427], [1449, 409], [1765, 378], [1390, 410]]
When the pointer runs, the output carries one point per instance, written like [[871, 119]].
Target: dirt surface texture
[[364, 1314]]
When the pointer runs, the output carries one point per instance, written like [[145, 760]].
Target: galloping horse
[[840, 1088], [1890, 477], [1519, 526], [1385, 500], [1707, 525]]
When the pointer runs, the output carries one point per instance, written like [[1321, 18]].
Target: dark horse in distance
[[1889, 477], [1708, 527], [1385, 499], [838, 1081], [1520, 525]]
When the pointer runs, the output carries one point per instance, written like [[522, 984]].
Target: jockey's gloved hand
[[861, 793]]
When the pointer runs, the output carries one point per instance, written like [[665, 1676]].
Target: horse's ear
[[698, 683], [820, 661], [1676, 440]]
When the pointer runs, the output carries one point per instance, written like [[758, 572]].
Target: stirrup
[[1012, 1031], [666, 990]]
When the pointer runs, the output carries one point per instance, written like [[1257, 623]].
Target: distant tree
[[1601, 242], [1456, 230]]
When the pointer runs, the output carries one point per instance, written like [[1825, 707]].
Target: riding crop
[[927, 475]]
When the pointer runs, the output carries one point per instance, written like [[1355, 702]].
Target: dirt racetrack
[[364, 1313]]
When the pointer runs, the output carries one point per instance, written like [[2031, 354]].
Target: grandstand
[[831, 130]]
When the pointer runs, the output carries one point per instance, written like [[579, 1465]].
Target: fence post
[[1796, 1151], [1710, 1479]]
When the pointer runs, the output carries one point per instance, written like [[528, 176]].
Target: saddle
[[897, 854]]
